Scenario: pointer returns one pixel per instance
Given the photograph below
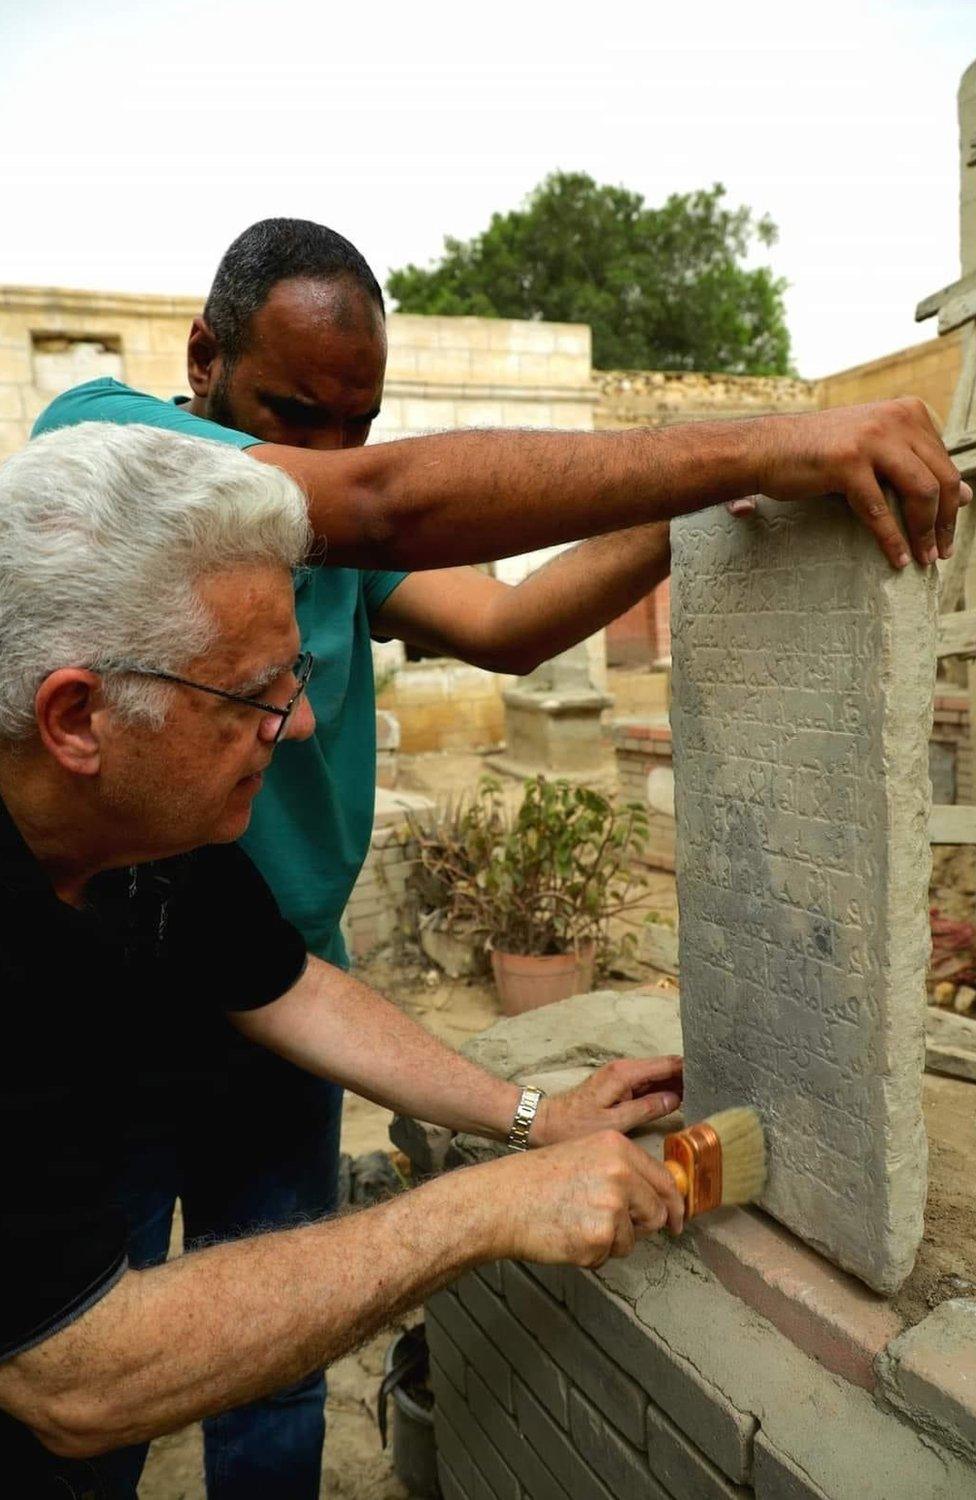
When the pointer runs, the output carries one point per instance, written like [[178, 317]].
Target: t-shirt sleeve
[[377, 588], [239, 947], [111, 401]]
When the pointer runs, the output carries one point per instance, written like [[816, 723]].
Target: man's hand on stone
[[859, 452], [579, 1203], [621, 1095]]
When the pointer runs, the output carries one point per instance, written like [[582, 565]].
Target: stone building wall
[[929, 370]]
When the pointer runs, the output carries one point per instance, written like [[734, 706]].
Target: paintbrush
[[719, 1161]]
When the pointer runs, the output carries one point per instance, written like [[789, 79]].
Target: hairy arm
[[461, 612], [228, 1324], [331, 1024], [463, 497]]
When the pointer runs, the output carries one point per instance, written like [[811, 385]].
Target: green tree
[[662, 288]]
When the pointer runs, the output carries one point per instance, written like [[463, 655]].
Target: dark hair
[[276, 250]]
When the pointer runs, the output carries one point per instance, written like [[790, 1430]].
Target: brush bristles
[[743, 1145]]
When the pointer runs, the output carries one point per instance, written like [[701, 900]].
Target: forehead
[[311, 333], [254, 609]]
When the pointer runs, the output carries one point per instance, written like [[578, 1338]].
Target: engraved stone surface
[[801, 710]]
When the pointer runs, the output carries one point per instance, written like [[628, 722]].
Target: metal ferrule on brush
[[694, 1159]]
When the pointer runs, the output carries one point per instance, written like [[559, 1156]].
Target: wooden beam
[[935, 301], [957, 634], [952, 825], [957, 310]]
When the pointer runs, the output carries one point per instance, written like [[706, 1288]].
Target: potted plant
[[538, 886]]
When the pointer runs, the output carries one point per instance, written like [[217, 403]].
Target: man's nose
[[301, 724]]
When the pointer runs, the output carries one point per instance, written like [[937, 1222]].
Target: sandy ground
[[355, 1467]]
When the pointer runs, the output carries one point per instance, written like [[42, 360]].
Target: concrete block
[[517, 1345], [801, 709], [623, 1467], [618, 1397], [699, 1408], [457, 1431], [821, 1309], [444, 1352], [929, 1373], [776, 1477], [477, 1349], [559, 1454], [513, 1447]]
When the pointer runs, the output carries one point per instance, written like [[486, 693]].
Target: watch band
[[518, 1136]]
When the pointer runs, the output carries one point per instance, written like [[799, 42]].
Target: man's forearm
[[576, 594], [463, 497], [330, 1024], [228, 1324]]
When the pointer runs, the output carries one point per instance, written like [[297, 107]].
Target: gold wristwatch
[[529, 1101]]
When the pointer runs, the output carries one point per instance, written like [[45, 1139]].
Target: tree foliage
[[662, 288]]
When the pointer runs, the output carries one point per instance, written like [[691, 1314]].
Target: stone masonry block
[[444, 1352], [776, 1477], [558, 1452], [623, 1467], [617, 1396], [492, 1273], [452, 1453], [511, 1444], [455, 1429], [551, 1277], [801, 710], [820, 1308], [681, 1466], [929, 1373], [517, 1345], [477, 1349], [698, 1408]]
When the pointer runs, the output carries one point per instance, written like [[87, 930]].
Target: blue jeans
[[264, 1156]]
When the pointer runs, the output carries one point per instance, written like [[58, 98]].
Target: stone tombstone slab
[[802, 703]]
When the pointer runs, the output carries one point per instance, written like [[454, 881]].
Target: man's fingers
[[634, 1112], [634, 1075], [656, 1175], [926, 505], [867, 500], [744, 506]]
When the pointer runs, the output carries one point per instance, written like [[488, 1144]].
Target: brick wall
[[641, 746], [951, 751], [550, 1385]]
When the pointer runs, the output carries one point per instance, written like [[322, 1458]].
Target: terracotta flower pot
[[524, 981]]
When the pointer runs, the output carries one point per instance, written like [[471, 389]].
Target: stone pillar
[[552, 720], [801, 710], [967, 169]]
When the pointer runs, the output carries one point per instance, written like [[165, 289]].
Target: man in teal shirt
[[288, 359]]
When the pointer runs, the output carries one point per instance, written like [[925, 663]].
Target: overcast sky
[[138, 140]]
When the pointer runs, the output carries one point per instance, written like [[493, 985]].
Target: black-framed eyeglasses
[[302, 671]]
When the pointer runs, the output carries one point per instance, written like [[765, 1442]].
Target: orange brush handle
[[694, 1159]]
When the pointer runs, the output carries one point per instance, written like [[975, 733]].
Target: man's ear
[[201, 355], [67, 706]]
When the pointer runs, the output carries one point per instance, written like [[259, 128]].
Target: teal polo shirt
[[312, 820]]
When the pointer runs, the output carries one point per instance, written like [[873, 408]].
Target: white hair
[[105, 533]]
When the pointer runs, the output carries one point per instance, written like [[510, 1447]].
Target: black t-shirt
[[107, 1013]]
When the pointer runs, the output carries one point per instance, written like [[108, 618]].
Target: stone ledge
[[819, 1308], [929, 1374]]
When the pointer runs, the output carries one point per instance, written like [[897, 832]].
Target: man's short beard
[[219, 407]]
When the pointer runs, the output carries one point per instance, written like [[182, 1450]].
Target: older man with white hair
[[149, 665]]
